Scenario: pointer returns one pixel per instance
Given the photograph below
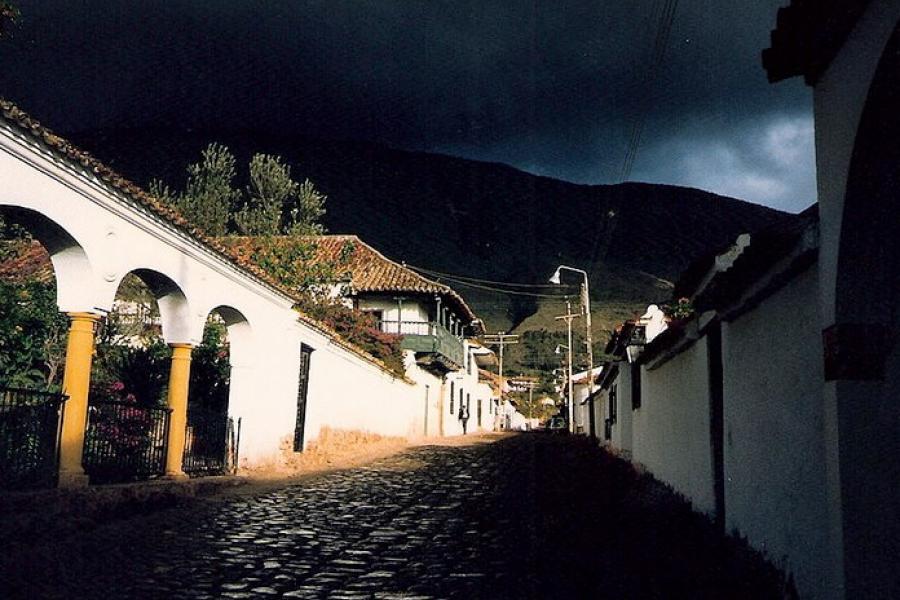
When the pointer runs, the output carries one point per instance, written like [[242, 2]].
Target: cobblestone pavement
[[528, 516]]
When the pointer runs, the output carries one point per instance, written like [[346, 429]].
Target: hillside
[[481, 220]]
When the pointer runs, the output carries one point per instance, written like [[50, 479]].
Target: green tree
[[271, 189], [272, 203], [210, 369], [32, 335], [305, 217], [210, 197], [276, 204]]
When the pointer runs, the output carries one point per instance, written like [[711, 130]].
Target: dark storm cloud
[[551, 87]]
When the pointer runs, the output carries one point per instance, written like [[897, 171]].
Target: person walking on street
[[464, 417]]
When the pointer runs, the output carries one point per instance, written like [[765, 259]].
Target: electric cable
[[485, 281]]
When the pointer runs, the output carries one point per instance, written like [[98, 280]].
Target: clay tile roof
[[25, 261], [371, 271], [368, 269]]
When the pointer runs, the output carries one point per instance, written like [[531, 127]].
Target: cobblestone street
[[528, 516]]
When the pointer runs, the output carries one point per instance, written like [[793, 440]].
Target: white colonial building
[[438, 330], [291, 376]]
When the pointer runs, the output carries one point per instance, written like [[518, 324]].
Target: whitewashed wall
[[467, 383], [622, 429], [432, 395], [581, 411], [348, 393], [671, 429], [775, 491]]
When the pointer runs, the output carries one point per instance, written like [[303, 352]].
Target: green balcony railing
[[429, 337]]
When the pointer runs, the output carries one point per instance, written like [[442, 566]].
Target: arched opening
[[35, 253], [862, 349], [128, 416], [211, 438]]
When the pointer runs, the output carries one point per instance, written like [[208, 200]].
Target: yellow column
[[179, 378], [76, 385]]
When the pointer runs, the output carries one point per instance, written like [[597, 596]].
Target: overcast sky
[[552, 87]]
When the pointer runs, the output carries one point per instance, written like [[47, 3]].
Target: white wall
[[671, 429], [775, 490], [413, 310], [622, 429], [432, 396], [348, 393]]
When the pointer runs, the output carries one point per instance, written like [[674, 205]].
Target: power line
[[487, 281], [502, 291], [658, 53]]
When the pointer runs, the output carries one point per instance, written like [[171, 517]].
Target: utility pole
[[501, 339], [530, 385], [586, 307], [586, 304], [568, 318]]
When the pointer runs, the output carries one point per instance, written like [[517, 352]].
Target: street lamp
[[586, 305]]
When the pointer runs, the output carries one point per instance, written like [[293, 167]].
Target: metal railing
[[427, 336], [207, 443], [124, 441], [29, 437]]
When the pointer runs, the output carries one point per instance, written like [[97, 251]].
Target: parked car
[[557, 425]]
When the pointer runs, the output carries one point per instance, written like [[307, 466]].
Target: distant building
[[437, 326]]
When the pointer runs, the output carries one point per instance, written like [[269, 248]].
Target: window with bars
[[452, 396], [303, 388]]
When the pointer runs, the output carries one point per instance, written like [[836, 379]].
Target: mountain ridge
[[476, 219]]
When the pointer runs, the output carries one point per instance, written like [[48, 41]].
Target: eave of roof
[[807, 37], [371, 271], [771, 259]]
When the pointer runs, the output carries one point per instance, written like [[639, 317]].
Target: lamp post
[[589, 341]]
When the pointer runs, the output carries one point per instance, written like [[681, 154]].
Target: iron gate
[[208, 443], [29, 437], [125, 441]]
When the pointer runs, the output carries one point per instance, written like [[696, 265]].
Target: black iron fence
[[29, 437], [125, 441], [208, 443]]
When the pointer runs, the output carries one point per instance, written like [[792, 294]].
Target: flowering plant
[[679, 310]]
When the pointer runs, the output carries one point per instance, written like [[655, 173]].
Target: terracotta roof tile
[[25, 261], [369, 270]]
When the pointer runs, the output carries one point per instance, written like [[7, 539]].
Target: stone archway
[[218, 370], [72, 268]]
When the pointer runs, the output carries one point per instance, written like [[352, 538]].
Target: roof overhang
[[807, 37]]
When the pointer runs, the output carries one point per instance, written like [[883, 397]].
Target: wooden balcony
[[430, 339]]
